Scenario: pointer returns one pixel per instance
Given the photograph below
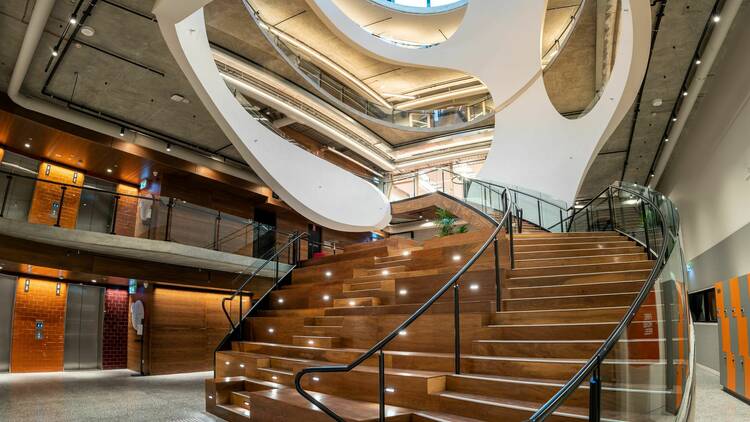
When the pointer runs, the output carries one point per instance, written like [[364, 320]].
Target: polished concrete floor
[[102, 396], [713, 404], [118, 396]]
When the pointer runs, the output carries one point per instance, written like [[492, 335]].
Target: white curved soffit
[[320, 191], [499, 43]]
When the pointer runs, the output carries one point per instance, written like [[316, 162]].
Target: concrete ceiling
[[629, 152], [125, 70]]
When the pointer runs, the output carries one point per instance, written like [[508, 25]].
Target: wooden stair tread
[[530, 407], [350, 410]]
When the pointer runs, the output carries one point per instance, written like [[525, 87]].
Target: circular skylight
[[422, 3]]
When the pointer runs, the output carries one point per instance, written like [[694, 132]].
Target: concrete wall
[[708, 178]]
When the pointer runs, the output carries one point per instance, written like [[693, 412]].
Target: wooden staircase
[[563, 299]]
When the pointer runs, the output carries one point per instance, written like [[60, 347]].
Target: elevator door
[[83, 327], [7, 298]]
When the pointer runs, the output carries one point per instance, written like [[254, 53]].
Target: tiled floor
[[118, 396], [714, 405], [102, 396]]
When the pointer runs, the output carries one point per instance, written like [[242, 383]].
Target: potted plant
[[446, 223]]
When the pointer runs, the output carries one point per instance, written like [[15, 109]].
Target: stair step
[[316, 341], [269, 405], [356, 301], [579, 260], [240, 398], [547, 280], [238, 410], [492, 409], [566, 235], [544, 247], [550, 315], [574, 289], [565, 349], [581, 269], [567, 302], [569, 253], [568, 331]]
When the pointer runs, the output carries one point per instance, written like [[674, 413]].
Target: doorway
[[7, 299], [315, 234], [83, 327], [264, 236]]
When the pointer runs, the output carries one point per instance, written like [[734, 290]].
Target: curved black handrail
[[378, 347], [273, 257], [596, 360]]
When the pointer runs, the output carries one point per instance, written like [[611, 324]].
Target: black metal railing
[[652, 221], [150, 217], [290, 253], [451, 285]]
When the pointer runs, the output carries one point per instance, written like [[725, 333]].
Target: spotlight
[[402, 333], [328, 273], [674, 119], [456, 257], [122, 131], [666, 139], [326, 298], [109, 170], [27, 145], [684, 93], [716, 18], [271, 330], [474, 287], [169, 147], [54, 53], [316, 379], [385, 272], [281, 300], [651, 175], [403, 292], [406, 253], [73, 20], [698, 61]]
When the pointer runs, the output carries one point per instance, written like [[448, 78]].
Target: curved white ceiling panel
[[499, 43], [317, 189]]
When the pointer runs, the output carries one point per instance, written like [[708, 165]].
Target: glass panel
[[645, 376]]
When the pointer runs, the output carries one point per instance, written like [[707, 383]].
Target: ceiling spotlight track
[[703, 58]]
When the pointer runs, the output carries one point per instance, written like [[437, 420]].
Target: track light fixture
[[169, 147], [73, 20], [122, 131], [54, 53]]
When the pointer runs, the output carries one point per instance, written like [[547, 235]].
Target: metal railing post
[[5, 196], [168, 229], [539, 211], [595, 393], [60, 208], [644, 217], [114, 214], [510, 240], [381, 384], [457, 328], [498, 295], [610, 203], [217, 231], [562, 228]]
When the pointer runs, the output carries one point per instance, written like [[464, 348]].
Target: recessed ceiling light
[[87, 31], [674, 119], [169, 147], [716, 18], [684, 93], [666, 139], [177, 98], [54, 53], [73, 20], [698, 61], [657, 102]]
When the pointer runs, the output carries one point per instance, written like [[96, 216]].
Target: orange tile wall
[[39, 303], [45, 194], [2, 153], [127, 209]]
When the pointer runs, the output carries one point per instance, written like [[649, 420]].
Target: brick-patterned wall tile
[[45, 194], [41, 302], [115, 333]]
